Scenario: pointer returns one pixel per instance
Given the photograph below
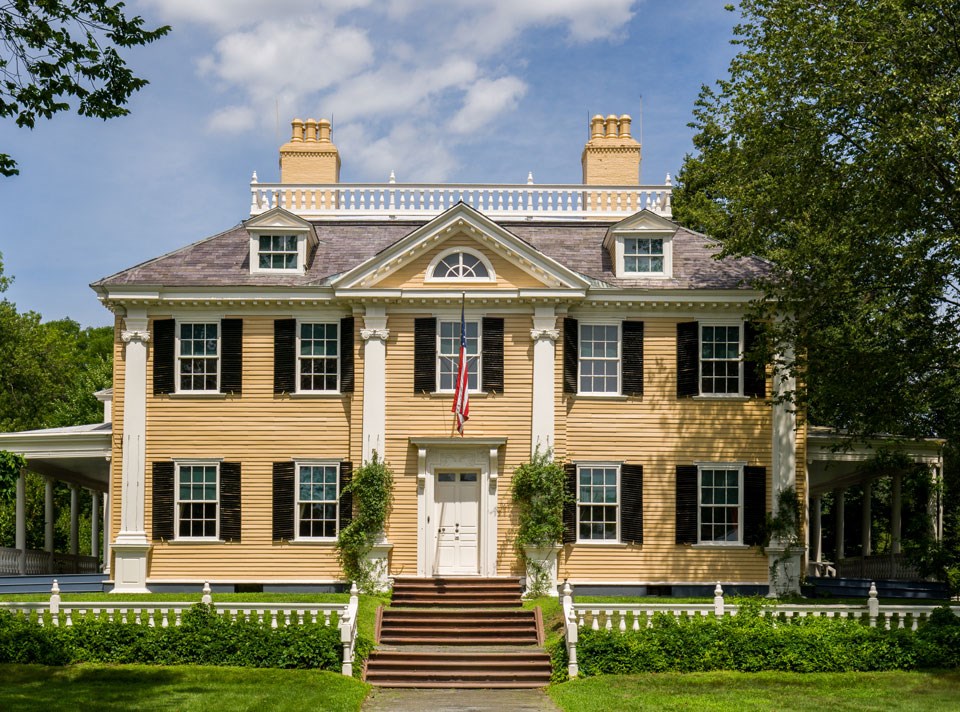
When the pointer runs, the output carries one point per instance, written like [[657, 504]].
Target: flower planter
[[541, 570]]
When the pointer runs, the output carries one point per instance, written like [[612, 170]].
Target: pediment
[[644, 222], [278, 219], [463, 226]]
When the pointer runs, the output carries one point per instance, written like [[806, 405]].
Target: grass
[[182, 688], [743, 692]]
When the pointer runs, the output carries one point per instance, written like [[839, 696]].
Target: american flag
[[461, 393]]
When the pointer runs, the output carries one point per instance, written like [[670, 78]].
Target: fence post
[[873, 605], [570, 629], [55, 602], [718, 607], [207, 598]]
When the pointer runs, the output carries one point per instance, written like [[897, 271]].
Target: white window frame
[[177, 501], [701, 466], [336, 323], [662, 255], [619, 248], [255, 236], [580, 358], [617, 508], [479, 354], [431, 268], [219, 357], [726, 323], [335, 464]]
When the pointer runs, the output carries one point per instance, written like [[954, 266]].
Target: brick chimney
[[611, 156], [310, 156]]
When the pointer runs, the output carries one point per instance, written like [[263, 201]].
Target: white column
[[132, 545], [839, 504], [865, 514], [785, 569], [48, 514], [94, 524], [544, 334], [374, 335], [20, 522], [106, 534], [935, 504], [816, 535], [896, 511], [74, 520]]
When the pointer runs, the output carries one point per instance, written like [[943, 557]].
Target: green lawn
[[181, 688], [742, 692]]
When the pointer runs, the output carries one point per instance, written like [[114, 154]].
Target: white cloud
[[485, 101], [232, 119], [418, 152], [226, 15]]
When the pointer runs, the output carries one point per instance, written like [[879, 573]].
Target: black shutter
[[284, 484], [492, 366], [424, 355], [346, 355], [754, 372], [164, 378], [688, 359], [754, 504], [285, 356], [163, 473], [231, 355], [632, 358], [686, 504], [571, 351], [230, 501], [570, 504], [631, 504], [346, 498]]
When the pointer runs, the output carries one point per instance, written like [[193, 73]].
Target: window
[[319, 362], [719, 360], [599, 359], [597, 502], [197, 501], [719, 509], [198, 357], [460, 265], [277, 252], [317, 495], [448, 354], [643, 254]]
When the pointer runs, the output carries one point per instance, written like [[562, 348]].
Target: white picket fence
[[164, 614], [634, 616]]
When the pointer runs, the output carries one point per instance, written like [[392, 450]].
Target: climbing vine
[[372, 488], [10, 466]]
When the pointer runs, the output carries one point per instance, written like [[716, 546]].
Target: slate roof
[[223, 260]]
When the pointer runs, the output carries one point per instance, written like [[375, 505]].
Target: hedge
[[203, 638], [749, 642]]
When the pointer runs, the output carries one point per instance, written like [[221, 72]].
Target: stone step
[[403, 669]]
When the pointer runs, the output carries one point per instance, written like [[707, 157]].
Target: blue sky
[[435, 90]]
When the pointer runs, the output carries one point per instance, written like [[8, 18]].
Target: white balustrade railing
[[635, 616], [37, 561], [164, 614], [426, 200]]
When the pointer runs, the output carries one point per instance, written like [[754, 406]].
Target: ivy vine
[[10, 465], [372, 488]]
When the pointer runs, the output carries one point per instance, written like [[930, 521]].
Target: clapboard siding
[[411, 276]]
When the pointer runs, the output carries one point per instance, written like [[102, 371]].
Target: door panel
[[458, 522]]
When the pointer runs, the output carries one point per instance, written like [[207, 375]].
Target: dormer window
[[460, 264], [643, 255], [641, 247], [278, 252]]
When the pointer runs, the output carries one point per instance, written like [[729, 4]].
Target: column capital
[[382, 334], [538, 334], [140, 335]]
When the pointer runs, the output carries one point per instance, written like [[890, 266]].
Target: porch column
[[131, 546], [95, 524], [935, 504], [784, 569], [106, 534], [374, 335], [815, 530], [74, 520], [896, 507], [544, 334], [20, 522], [839, 503], [865, 512], [48, 514]]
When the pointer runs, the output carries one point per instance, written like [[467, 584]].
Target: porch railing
[[880, 566], [43, 562], [634, 616], [58, 613]]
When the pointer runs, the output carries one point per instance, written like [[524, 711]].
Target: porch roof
[[79, 454]]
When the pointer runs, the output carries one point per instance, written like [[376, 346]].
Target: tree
[[832, 149], [55, 51]]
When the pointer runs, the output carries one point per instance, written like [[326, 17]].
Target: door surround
[[446, 454]]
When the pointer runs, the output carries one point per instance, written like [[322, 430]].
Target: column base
[[378, 563], [541, 570], [130, 564], [784, 571]]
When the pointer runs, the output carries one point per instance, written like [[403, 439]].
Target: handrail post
[[570, 629], [873, 605], [348, 630], [55, 603], [207, 598], [718, 604]]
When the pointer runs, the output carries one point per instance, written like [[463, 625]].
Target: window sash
[[318, 370], [448, 355], [598, 364], [197, 503], [317, 501], [720, 504], [721, 363], [598, 503], [278, 252], [198, 357], [643, 255]]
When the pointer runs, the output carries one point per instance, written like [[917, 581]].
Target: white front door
[[457, 496]]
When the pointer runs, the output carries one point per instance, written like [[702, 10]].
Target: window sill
[[709, 547], [318, 395], [721, 397], [472, 394], [188, 395], [602, 544], [185, 541], [604, 396], [307, 542]]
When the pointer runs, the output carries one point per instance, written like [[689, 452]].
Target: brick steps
[[457, 592], [467, 669]]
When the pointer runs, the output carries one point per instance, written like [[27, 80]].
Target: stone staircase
[[458, 632]]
